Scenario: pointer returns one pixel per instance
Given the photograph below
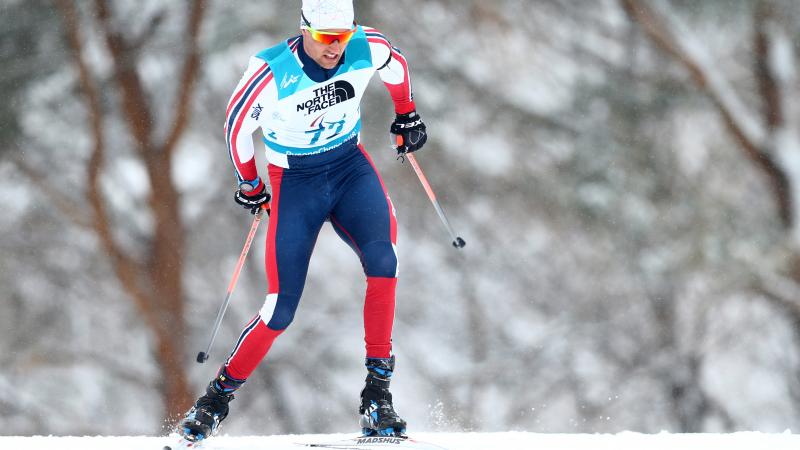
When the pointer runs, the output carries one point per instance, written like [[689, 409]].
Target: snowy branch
[[672, 36], [188, 78], [136, 109]]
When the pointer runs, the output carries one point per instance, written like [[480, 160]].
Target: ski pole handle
[[203, 356]]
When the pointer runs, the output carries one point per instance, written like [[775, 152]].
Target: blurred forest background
[[626, 175]]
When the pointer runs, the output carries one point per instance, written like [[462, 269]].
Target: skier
[[305, 95]]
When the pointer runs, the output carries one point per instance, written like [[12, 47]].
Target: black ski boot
[[378, 417], [210, 409]]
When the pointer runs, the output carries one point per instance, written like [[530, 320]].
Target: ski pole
[[203, 356], [457, 241]]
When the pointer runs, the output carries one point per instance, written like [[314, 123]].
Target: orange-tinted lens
[[329, 37]]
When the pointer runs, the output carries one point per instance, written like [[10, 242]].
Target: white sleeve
[[241, 117], [393, 70]]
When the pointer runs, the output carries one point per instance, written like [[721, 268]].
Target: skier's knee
[[379, 259], [283, 307]]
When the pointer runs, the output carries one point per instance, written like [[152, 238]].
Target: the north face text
[[327, 96]]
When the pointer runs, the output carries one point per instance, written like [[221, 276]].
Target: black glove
[[252, 200], [409, 132]]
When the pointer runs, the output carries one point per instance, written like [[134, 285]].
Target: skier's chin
[[329, 62]]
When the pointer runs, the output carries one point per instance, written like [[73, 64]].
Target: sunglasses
[[328, 37]]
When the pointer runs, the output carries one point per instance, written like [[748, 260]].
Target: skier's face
[[326, 55]]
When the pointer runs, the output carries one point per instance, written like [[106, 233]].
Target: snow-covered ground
[[449, 441]]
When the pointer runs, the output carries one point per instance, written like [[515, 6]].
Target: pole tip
[[202, 357], [459, 243]]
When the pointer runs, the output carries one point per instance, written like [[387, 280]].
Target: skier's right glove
[[252, 199], [409, 132]]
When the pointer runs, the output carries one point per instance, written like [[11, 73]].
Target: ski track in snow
[[449, 441]]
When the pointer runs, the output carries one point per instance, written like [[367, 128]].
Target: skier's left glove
[[409, 132], [253, 199]]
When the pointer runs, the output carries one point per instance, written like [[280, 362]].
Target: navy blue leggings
[[341, 186]]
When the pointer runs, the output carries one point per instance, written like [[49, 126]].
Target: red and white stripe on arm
[[393, 70], [241, 117]]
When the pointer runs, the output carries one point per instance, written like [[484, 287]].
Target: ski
[[376, 442], [184, 444], [355, 443]]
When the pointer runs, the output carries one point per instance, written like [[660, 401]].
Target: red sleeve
[[393, 69]]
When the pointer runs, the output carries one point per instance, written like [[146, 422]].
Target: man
[[305, 94]]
